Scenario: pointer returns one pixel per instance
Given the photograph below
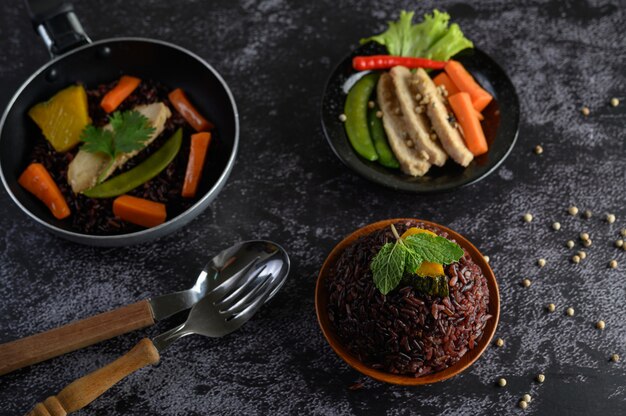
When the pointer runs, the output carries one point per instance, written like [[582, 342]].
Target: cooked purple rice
[[405, 332], [95, 216]]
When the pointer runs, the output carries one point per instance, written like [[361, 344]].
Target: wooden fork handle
[[43, 346], [86, 389]]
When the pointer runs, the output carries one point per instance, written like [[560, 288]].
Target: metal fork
[[223, 310]]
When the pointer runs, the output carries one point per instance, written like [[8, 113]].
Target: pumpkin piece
[[63, 117]]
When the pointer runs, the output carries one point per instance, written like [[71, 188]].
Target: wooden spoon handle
[[86, 389], [43, 346]]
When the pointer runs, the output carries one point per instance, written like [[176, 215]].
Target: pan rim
[[149, 233]]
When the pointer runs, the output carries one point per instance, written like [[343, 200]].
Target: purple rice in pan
[[405, 332], [95, 216]]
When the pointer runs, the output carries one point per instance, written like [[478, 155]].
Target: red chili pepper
[[363, 63]]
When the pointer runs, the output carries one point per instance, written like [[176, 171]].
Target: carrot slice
[[139, 211], [36, 180], [197, 154], [188, 111], [444, 79], [125, 86], [466, 83], [465, 114]]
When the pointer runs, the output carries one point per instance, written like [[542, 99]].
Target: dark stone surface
[[289, 187]]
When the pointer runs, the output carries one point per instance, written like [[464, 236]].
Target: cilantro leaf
[[388, 266], [97, 140], [129, 132], [434, 249], [132, 129]]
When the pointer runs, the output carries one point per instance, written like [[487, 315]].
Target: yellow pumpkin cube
[[63, 117]]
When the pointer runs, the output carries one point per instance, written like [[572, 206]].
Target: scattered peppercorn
[[541, 262], [570, 244], [540, 378], [587, 243], [527, 398], [371, 104], [613, 264], [528, 217], [584, 236], [500, 342], [343, 118], [587, 214], [582, 255], [576, 258], [615, 358], [570, 311], [486, 258], [379, 114], [600, 324], [614, 102], [538, 149], [585, 111], [526, 282], [619, 243], [623, 232], [551, 307], [572, 210], [610, 218], [502, 382], [522, 404], [556, 226]]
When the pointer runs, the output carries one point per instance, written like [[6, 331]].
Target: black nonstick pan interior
[[105, 61]]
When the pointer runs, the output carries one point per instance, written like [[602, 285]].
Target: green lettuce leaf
[[449, 45], [432, 38]]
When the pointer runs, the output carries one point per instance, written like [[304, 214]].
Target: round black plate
[[501, 125]]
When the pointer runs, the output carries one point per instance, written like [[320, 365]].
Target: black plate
[[501, 126]]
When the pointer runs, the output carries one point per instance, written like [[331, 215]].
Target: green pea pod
[[377, 132], [141, 173], [355, 110]]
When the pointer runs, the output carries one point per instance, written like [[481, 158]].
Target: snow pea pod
[[377, 132], [355, 110], [141, 173]]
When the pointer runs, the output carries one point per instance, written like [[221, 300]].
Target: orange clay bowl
[[321, 308]]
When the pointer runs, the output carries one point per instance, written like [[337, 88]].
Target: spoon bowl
[[248, 256]]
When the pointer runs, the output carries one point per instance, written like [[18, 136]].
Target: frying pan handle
[[57, 25]]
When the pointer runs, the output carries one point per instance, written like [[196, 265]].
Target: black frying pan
[[76, 59]]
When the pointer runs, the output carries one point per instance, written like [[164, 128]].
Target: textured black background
[[288, 186]]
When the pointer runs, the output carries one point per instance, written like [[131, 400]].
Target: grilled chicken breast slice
[[439, 116], [412, 161], [417, 123], [85, 169]]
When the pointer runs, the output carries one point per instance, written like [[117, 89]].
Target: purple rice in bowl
[[407, 333]]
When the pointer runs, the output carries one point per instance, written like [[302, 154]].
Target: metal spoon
[[223, 310], [248, 255]]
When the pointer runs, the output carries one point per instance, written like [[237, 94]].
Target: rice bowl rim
[[321, 309]]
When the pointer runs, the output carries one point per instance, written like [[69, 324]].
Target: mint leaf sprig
[[406, 255]]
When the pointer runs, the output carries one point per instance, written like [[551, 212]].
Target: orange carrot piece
[[139, 211], [444, 79], [36, 180], [197, 154], [188, 111], [125, 86], [466, 83], [465, 114]]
